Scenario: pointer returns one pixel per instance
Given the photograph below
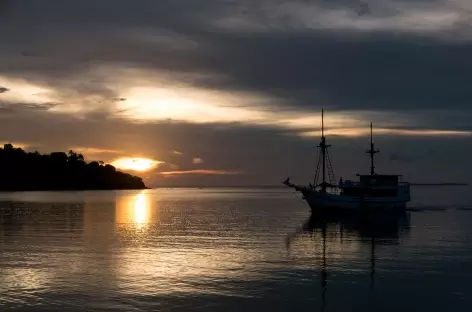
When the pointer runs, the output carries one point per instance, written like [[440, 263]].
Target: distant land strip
[[283, 186], [439, 184]]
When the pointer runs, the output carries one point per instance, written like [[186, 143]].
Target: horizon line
[[282, 186]]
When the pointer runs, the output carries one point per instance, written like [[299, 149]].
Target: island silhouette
[[59, 171]]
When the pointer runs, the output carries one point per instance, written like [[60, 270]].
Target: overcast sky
[[230, 92]]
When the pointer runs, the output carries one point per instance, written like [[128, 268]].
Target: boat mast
[[323, 147], [324, 166], [372, 152]]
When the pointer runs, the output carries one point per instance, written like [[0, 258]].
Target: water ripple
[[228, 250]]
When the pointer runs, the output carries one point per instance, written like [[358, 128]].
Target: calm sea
[[230, 250]]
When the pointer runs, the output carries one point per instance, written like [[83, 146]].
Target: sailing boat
[[372, 192]]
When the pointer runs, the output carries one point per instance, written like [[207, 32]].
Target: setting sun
[[136, 164]]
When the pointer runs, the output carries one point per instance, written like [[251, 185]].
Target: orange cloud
[[197, 160], [16, 144], [200, 171], [93, 150]]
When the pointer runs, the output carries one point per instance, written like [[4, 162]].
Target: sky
[[226, 92]]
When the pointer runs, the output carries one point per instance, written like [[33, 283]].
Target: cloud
[[358, 132], [266, 155], [197, 161], [15, 144], [3, 90], [350, 15], [239, 74], [92, 150], [240, 83], [199, 172], [94, 153], [9, 108]]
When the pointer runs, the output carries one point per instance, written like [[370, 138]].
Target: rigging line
[[331, 175], [317, 172]]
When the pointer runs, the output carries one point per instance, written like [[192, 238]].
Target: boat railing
[[335, 191], [355, 183]]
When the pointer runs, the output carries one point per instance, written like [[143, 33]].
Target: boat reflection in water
[[371, 229]]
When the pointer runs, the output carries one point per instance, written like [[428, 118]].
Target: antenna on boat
[[372, 152]]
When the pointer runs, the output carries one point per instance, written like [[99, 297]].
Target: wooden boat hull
[[318, 200]]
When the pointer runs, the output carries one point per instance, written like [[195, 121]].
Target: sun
[[135, 164]]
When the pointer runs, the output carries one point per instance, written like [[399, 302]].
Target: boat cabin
[[379, 180], [377, 185]]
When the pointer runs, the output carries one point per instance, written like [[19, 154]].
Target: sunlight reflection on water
[[139, 209], [223, 249]]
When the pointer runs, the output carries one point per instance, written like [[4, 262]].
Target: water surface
[[230, 249]]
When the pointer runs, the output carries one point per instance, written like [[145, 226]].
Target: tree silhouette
[[22, 171]]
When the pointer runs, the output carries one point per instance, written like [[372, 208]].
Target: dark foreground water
[[230, 250]]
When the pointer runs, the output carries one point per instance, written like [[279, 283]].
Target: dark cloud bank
[[421, 76]]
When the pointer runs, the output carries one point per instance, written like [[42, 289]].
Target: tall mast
[[372, 152], [323, 147]]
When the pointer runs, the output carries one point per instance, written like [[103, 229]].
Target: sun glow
[[135, 164], [21, 91], [184, 104]]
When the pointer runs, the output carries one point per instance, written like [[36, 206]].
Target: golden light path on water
[[141, 209], [150, 249], [157, 252], [137, 210]]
